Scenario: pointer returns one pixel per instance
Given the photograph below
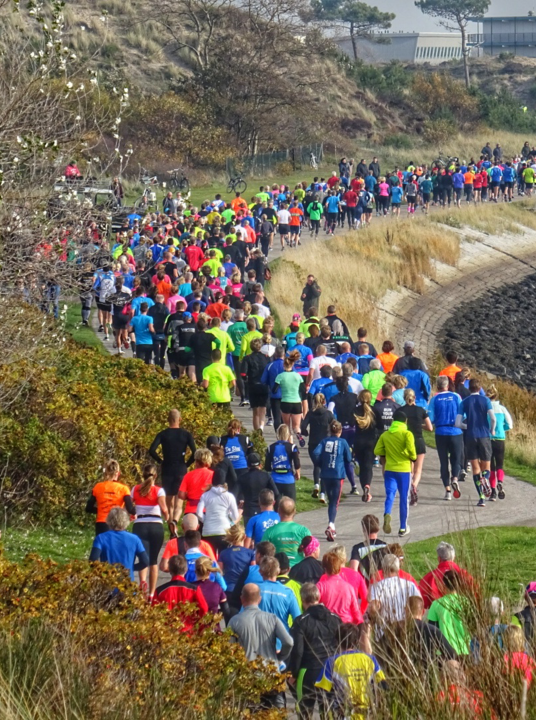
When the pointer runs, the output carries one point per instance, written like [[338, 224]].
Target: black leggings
[[316, 469], [242, 391], [159, 347], [364, 454], [152, 536], [287, 490], [144, 352], [497, 455], [315, 226]]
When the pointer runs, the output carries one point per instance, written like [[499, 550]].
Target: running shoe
[[500, 491], [456, 490], [462, 476], [367, 497], [354, 491], [126, 344], [331, 533], [106, 338], [413, 498], [316, 491], [301, 440], [243, 403], [448, 495], [376, 462], [269, 422], [486, 487], [101, 328], [493, 495], [114, 344], [481, 503], [403, 532], [322, 498], [387, 523], [121, 351]]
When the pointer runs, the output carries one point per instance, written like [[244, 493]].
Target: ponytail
[[368, 419], [149, 477], [111, 469]]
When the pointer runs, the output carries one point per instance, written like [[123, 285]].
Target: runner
[[443, 409], [477, 418], [417, 421], [334, 457], [109, 493], [292, 394], [365, 441], [150, 502], [116, 546], [217, 511], [397, 446], [174, 441], [283, 462], [503, 424]]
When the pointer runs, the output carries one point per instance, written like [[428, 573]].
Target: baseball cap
[[253, 459], [409, 345], [213, 440], [186, 315]]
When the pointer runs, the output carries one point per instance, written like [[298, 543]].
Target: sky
[[410, 19]]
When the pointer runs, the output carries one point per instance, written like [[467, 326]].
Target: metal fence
[[298, 157]]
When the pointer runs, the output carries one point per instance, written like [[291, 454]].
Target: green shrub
[[399, 141], [79, 640], [75, 411]]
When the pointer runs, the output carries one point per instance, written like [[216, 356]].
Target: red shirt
[[401, 574], [216, 309], [356, 184], [431, 585], [350, 198], [194, 257], [194, 485], [333, 181], [177, 592]]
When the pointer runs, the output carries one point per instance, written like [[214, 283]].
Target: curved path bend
[[484, 260]]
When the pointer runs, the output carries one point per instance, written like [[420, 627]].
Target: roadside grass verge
[[81, 333], [500, 556]]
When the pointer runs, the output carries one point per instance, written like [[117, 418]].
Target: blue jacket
[[318, 385], [419, 382], [503, 420], [443, 409], [332, 456], [269, 374], [279, 600]]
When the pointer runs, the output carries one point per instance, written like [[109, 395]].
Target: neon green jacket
[[373, 381], [397, 446]]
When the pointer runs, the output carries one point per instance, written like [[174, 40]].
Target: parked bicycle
[[178, 180], [147, 200], [145, 178], [236, 184]]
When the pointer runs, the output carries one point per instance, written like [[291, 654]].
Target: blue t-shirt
[[370, 183], [458, 180], [396, 194], [137, 301], [119, 547], [508, 174], [141, 323], [305, 352], [191, 556], [318, 385], [258, 525], [333, 204], [475, 408], [443, 409], [234, 560], [235, 453], [279, 600], [496, 173]]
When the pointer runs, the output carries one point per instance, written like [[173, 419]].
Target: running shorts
[[426, 197], [171, 480], [395, 205], [495, 184], [420, 446], [291, 408], [120, 322], [509, 185], [258, 395], [332, 217], [107, 307], [478, 449], [283, 229], [457, 193], [184, 359], [527, 185]]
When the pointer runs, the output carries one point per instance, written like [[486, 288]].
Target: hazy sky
[[409, 18]]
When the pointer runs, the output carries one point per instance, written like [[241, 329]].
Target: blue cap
[[186, 315]]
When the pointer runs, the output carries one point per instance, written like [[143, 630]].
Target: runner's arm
[[152, 450], [91, 505]]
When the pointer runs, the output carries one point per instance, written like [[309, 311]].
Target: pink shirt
[[339, 597], [384, 189], [357, 581], [171, 303]]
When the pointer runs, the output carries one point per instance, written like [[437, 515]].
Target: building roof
[[503, 18]]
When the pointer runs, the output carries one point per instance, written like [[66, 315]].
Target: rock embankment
[[497, 332]]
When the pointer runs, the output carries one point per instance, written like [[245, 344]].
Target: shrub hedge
[[74, 411]]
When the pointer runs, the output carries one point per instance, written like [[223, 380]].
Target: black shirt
[[159, 313], [365, 552], [201, 344], [384, 411], [307, 570], [416, 415], [174, 442], [345, 403], [253, 367], [318, 422], [403, 363], [249, 486], [316, 638]]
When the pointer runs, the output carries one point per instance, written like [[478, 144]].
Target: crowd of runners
[[184, 289]]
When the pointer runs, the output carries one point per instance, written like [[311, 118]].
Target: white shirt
[[283, 217], [217, 510], [355, 385], [263, 311], [317, 363], [393, 594], [268, 350]]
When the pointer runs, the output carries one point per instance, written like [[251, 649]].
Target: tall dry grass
[[356, 269], [492, 219]]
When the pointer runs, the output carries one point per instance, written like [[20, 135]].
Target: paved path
[[421, 318]]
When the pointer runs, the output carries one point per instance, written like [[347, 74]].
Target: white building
[[516, 35], [419, 48]]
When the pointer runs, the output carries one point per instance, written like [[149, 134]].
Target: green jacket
[[373, 381], [397, 446]]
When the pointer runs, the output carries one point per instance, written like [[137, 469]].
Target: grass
[[62, 544], [81, 333], [356, 269], [501, 555]]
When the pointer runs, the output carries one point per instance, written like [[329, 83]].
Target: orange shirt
[[164, 288], [388, 361], [450, 371], [237, 203], [296, 215], [194, 484], [469, 177], [172, 548], [109, 494]]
